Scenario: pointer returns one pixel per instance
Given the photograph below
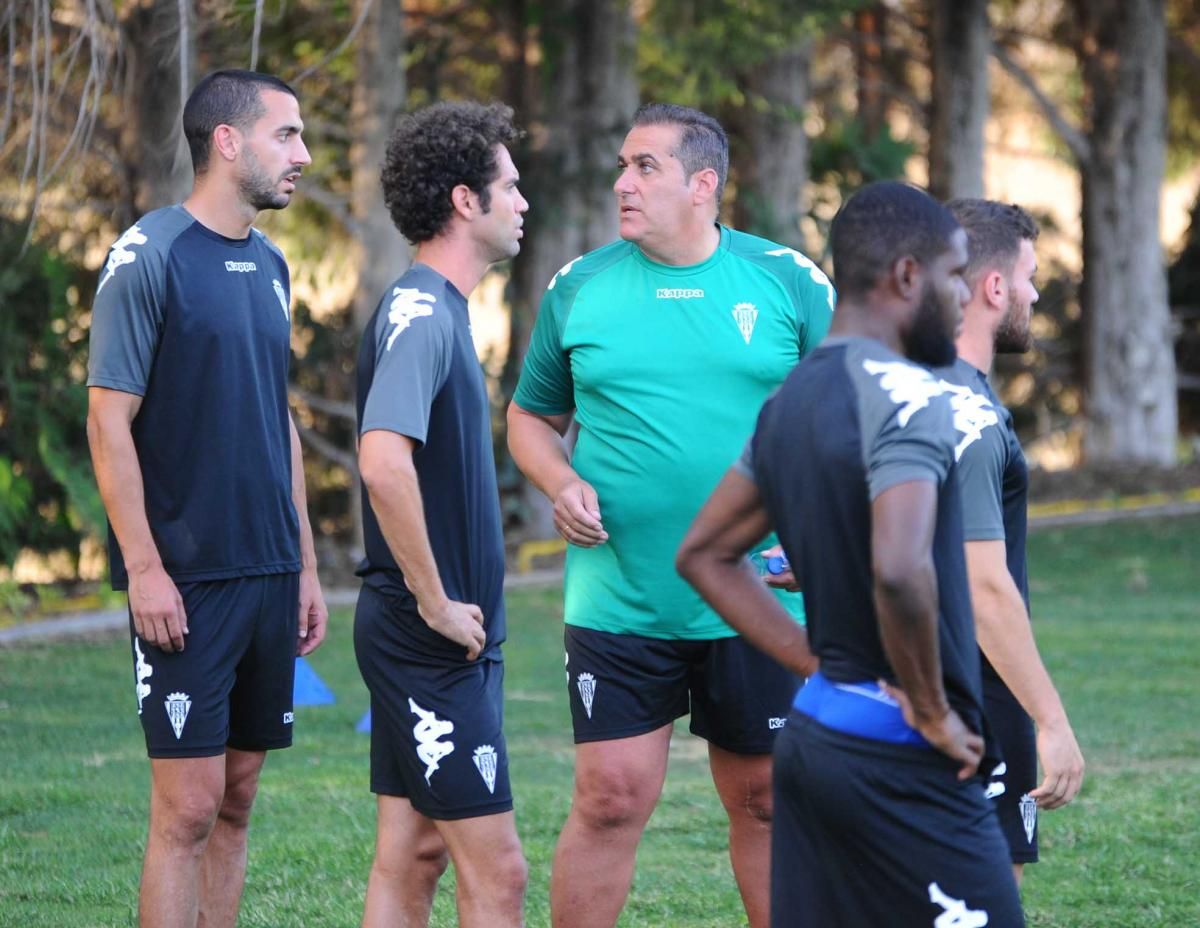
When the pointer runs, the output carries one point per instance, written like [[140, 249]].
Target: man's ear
[[704, 186], [465, 201], [227, 142], [995, 290], [906, 277]]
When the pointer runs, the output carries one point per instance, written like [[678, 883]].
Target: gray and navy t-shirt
[[419, 376], [992, 474], [851, 421], [198, 325]]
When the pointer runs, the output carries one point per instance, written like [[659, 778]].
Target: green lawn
[[1118, 617]]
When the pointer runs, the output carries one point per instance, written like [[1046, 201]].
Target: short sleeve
[[546, 386], [413, 350], [127, 315], [980, 481]]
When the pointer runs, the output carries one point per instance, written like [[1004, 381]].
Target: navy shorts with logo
[[625, 685], [1010, 782], [231, 685], [436, 725], [867, 832]]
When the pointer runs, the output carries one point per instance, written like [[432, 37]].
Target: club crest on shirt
[[121, 253], [745, 315], [408, 304]]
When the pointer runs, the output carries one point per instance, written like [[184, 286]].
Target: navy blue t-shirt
[[419, 376], [852, 420], [198, 325], [992, 474]]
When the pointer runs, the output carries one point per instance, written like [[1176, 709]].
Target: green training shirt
[[666, 369]]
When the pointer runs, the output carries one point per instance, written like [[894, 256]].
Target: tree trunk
[[870, 31], [156, 44], [773, 173], [1129, 354], [590, 92], [960, 40]]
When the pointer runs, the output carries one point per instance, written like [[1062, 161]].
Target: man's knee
[[184, 818], [423, 861], [503, 877], [747, 794], [613, 798]]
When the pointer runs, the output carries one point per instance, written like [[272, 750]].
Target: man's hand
[[158, 614], [786, 580], [460, 622], [1062, 766], [577, 514], [314, 615], [946, 733]]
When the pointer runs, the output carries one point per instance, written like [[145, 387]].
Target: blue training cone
[[309, 689], [364, 724]]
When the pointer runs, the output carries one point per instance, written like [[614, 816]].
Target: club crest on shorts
[[142, 670], [745, 315], [955, 913], [178, 706], [586, 684], [1028, 806], [485, 763], [428, 731]]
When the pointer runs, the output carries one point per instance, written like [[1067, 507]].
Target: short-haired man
[[662, 346], [430, 618], [200, 470], [994, 481], [880, 816]]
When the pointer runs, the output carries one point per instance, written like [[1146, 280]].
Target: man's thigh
[[232, 682], [623, 686], [871, 833], [740, 697]]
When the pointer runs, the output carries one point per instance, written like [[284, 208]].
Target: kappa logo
[[142, 670], [120, 255], [678, 293], [955, 913], [408, 304], [996, 787], [485, 762], [775, 723], [906, 384], [178, 706], [562, 272], [240, 267], [814, 272], [1028, 807], [289, 718], [586, 684], [973, 412], [745, 315], [283, 300], [428, 731]]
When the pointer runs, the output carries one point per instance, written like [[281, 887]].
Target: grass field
[[1118, 616]]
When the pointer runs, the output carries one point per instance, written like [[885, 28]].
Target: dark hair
[[232, 98], [435, 149], [879, 225], [702, 141], [994, 233]]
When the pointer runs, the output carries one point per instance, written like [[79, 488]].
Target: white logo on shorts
[[774, 723], [955, 912], [178, 706], [1028, 806], [289, 718], [142, 670], [996, 787], [427, 732], [586, 684], [485, 763]]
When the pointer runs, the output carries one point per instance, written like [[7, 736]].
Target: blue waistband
[[861, 709]]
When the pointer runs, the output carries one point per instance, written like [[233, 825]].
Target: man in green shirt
[[663, 347]]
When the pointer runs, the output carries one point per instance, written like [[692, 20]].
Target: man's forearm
[[539, 452], [395, 496], [908, 629], [119, 477]]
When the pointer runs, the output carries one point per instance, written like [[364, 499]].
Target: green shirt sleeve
[[546, 386]]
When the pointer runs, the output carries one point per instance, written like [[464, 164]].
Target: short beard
[[257, 189], [1013, 337], [928, 342]]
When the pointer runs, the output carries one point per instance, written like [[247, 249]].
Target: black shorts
[[625, 685], [872, 833], [231, 685], [1010, 782], [436, 726]]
